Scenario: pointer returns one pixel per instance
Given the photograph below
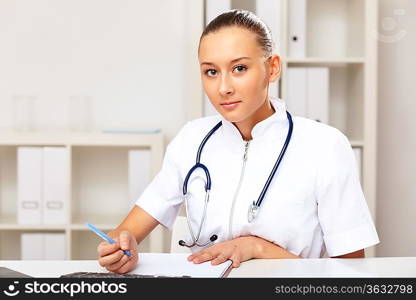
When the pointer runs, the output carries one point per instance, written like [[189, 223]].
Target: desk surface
[[323, 267]]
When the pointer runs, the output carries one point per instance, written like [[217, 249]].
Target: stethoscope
[[254, 207]]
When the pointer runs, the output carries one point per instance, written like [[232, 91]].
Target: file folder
[[54, 246], [29, 185], [42, 246], [297, 28], [296, 91], [318, 94], [31, 246], [139, 173], [55, 185], [214, 8]]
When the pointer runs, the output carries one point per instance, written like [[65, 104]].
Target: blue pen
[[105, 237]]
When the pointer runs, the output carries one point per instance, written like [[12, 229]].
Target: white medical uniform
[[314, 203]]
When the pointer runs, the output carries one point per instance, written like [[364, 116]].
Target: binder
[[42, 246], [215, 7], [139, 169], [29, 185], [54, 246], [31, 246], [55, 185], [308, 92], [297, 28], [318, 94], [270, 13], [296, 91]]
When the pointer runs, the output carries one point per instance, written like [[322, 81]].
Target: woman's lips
[[230, 105]]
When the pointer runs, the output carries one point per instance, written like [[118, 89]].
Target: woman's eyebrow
[[232, 61]]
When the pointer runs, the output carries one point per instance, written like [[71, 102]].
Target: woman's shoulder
[[194, 131]]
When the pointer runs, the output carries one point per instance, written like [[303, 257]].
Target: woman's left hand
[[238, 250]]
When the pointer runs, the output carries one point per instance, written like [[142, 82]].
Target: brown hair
[[244, 19]]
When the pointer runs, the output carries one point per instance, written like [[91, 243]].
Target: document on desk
[[176, 264]]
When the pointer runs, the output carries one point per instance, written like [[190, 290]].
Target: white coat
[[314, 203]]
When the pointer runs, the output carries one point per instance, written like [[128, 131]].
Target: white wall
[[396, 188], [137, 59]]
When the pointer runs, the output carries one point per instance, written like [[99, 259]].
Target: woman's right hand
[[112, 257]]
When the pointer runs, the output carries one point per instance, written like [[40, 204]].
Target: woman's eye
[[210, 72], [240, 68]]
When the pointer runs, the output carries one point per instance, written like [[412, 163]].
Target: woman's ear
[[275, 68]]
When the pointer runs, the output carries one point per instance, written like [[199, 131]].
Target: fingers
[[125, 240], [117, 265], [236, 259], [217, 256], [105, 248], [219, 259], [201, 257], [125, 265], [110, 259]]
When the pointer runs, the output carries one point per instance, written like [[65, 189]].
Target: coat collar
[[273, 125]]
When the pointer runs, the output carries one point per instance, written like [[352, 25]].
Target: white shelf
[[357, 144], [98, 181], [11, 138], [324, 61], [9, 222]]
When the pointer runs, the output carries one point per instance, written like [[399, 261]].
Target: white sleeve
[[342, 209], [162, 198]]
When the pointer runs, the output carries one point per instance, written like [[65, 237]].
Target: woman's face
[[235, 73]]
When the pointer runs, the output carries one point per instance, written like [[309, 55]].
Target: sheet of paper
[[176, 264]]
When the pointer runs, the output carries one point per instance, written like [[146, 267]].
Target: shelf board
[[325, 61], [357, 143], [11, 138], [9, 222]]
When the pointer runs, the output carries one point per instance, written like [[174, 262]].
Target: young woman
[[257, 182]]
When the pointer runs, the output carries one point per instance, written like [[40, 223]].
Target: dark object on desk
[[9, 273], [114, 275]]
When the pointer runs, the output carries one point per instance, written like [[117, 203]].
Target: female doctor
[[256, 182]]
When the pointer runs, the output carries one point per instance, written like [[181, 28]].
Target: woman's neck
[[263, 112]]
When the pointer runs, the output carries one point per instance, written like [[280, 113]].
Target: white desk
[[324, 267]]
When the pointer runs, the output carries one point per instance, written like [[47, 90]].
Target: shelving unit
[[98, 181], [340, 35]]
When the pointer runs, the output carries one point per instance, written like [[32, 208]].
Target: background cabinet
[[98, 188]]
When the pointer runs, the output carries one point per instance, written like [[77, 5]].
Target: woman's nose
[[226, 87]]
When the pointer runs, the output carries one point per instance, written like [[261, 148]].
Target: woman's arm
[[356, 254], [138, 222], [240, 249], [248, 247]]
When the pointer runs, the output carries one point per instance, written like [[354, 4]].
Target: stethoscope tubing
[[254, 207]]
